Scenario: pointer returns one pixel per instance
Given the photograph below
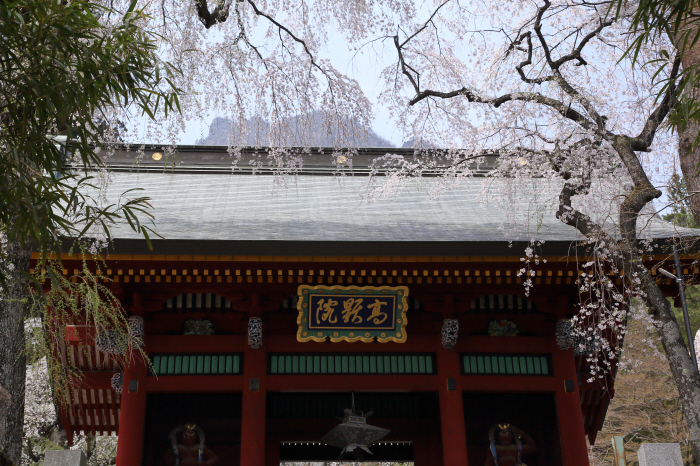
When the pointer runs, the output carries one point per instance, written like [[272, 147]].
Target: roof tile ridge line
[[224, 148], [147, 168]]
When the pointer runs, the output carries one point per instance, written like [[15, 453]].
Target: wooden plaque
[[352, 313]]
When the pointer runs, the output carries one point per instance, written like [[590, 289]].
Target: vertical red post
[[272, 451], [421, 450], [132, 416], [253, 415], [571, 429], [454, 435]]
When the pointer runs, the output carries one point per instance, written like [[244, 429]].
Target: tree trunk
[[684, 374], [13, 309], [690, 158]]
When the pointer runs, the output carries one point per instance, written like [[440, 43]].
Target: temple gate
[[271, 318]]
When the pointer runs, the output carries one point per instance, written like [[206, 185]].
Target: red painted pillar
[[132, 413], [434, 449], [272, 451], [454, 436], [571, 429], [253, 416], [421, 450]]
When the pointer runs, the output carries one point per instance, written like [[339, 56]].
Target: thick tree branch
[[528, 61], [576, 53], [538, 31], [219, 15], [642, 193], [535, 97], [643, 141]]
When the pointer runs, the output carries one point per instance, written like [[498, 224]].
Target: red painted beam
[[415, 343], [253, 416], [599, 416], [93, 380], [289, 343], [501, 383], [80, 334], [196, 343], [65, 423], [194, 383], [487, 344]]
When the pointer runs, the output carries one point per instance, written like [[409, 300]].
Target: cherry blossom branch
[[425, 25], [538, 31], [221, 13], [281, 27], [598, 123], [574, 55], [405, 67]]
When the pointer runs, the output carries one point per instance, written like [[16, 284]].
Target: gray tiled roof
[[225, 207]]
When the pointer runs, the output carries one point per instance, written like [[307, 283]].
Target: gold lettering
[[351, 307], [376, 312], [327, 309]]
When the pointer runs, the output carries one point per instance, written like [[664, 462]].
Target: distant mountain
[[307, 130], [423, 145]]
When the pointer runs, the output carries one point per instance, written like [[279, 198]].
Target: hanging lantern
[[354, 435]]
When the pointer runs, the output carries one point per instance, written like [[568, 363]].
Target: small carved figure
[[507, 448], [187, 450]]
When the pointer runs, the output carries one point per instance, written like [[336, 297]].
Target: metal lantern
[[354, 435]]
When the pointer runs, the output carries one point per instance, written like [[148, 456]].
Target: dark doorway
[[534, 413], [217, 414], [297, 422]]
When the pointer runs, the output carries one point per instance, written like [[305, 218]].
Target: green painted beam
[[504, 364], [282, 364], [196, 364]]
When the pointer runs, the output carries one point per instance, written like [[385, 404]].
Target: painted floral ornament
[[503, 328]]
